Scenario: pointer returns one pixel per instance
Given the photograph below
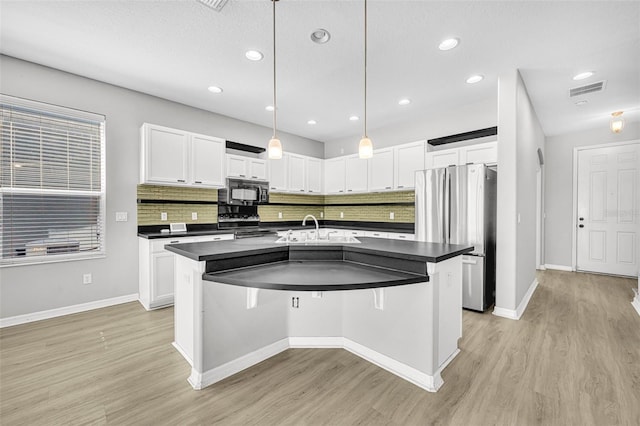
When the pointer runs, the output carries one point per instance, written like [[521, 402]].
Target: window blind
[[52, 182]]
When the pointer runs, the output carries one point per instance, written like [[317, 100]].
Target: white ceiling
[[176, 49]]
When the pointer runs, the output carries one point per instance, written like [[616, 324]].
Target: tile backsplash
[[179, 204]]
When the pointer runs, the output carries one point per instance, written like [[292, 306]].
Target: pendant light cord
[[274, 68], [365, 68]]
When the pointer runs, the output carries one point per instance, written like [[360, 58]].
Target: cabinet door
[[278, 173], [257, 169], [296, 173], [486, 153], [409, 159], [237, 166], [334, 176], [162, 271], [207, 161], [314, 175], [356, 174], [165, 155], [444, 158], [381, 170]]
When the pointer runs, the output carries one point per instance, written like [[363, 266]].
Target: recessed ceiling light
[[320, 36], [312, 122], [448, 44], [474, 79], [354, 118], [583, 75], [580, 103], [404, 101], [254, 55], [215, 89], [269, 108]]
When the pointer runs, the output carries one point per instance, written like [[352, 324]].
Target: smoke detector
[[589, 88], [216, 5]]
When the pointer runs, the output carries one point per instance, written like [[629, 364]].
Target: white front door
[[608, 209]]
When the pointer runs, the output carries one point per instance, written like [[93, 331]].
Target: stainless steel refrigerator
[[457, 205]]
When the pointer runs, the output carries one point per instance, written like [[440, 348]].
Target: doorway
[[607, 208]]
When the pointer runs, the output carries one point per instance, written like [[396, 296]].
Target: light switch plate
[[163, 216], [194, 215], [392, 215], [341, 215], [121, 217]]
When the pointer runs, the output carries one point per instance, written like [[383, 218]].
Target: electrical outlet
[[341, 215], [163, 216], [392, 215], [194, 215], [279, 215], [321, 215], [121, 216], [86, 279]]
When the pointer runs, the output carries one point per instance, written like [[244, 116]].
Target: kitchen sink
[[331, 240]]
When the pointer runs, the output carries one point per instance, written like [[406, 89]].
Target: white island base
[[410, 330]]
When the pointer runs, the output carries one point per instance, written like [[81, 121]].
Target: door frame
[[574, 211]]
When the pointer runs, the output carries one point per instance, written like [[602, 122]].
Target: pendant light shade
[[365, 148], [274, 149], [617, 122]]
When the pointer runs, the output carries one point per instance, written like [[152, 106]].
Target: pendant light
[[275, 147], [617, 122], [365, 148]]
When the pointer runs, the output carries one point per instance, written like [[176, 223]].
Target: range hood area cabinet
[[180, 158], [486, 153], [296, 174], [246, 167]]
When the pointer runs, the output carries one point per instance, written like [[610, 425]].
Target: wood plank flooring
[[573, 359]]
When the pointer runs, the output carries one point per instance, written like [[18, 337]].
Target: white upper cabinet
[[246, 167], [297, 176], [486, 153], [207, 155], [356, 174], [409, 158], [334, 175], [381, 170], [313, 167], [176, 157], [278, 173]]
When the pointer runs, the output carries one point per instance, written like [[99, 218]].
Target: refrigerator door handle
[[446, 229], [469, 261]]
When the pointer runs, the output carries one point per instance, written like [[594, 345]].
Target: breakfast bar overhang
[[397, 304]]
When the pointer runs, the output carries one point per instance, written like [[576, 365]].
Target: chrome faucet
[[304, 222]]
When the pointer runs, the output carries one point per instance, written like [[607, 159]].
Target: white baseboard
[[68, 310], [316, 342], [183, 353], [516, 314], [636, 300], [558, 267], [209, 377]]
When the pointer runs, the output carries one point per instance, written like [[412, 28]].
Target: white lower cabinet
[[156, 274]]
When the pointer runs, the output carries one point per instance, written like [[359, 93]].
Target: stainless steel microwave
[[243, 192]]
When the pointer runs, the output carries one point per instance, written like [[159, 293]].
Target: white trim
[[519, 311], [68, 310], [182, 352], [199, 381], [636, 303], [559, 267], [574, 235], [316, 342]]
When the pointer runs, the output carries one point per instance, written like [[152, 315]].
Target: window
[[52, 183]]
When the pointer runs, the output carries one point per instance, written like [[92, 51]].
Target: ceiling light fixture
[[583, 75], [617, 122], [474, 79], [320, 36], [254, 55], [274, 147], [214, 89], [269, 108], [448, 44], [404, 101], [312, 122], [365, 148], [354, 118]]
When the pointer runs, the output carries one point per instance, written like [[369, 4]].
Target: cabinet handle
[[254, 177], [197, 181], [402, 236], [242, 176], [310, 190], [387, 187], [273, 187], [400, 186], [340, 190], [349, 190], [302, 190], [180, 180], [174, 242], [216, 239]]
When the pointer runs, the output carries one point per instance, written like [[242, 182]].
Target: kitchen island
[[397, 304]]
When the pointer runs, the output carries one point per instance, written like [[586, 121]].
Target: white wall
[[559, 185], [430, 125], [519, 137], [36, 288]]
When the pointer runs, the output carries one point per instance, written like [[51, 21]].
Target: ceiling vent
[[589, 88], [216, 5]]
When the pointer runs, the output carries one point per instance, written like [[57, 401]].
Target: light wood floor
[[573, 359]]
